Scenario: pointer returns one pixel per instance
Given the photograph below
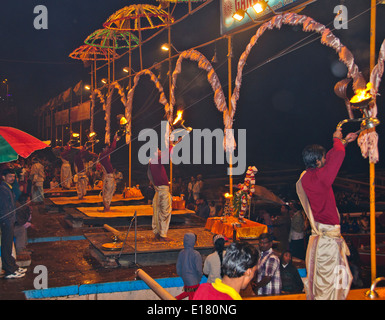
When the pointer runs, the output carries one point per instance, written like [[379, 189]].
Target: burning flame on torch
[[178, 116], [362, 94]]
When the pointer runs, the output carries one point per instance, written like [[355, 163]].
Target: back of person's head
[[311, 154], [240, 256], [189, 240], [219, 242], [219, 245]]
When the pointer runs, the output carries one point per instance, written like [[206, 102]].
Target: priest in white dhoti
[[328, 273]]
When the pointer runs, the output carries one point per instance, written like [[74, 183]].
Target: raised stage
[[122, 215], [148, 250], [93, 200], [61, 192]]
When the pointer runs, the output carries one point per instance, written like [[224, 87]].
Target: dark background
[[284, 104]]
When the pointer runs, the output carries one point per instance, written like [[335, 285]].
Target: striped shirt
[[268, 266]]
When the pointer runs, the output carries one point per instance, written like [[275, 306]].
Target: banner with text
[[229, 7]]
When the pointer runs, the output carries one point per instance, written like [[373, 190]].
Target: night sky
[[284, 104]]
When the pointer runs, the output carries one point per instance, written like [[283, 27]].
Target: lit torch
[[123, 126], [362, 97], [361, 101], [179, 117], [92, 140]]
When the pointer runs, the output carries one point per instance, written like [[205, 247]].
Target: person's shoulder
[[274, 257]]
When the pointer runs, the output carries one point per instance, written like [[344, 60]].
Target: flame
[[122, 121], [227, 195], [92, 134], [362, 94], [178, 116]]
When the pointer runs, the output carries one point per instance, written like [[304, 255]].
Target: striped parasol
[[15, 143]]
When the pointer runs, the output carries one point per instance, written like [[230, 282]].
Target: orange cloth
[[248, 229]]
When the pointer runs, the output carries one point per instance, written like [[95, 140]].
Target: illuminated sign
[[229, 7]]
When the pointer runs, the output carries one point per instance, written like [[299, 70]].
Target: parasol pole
[[56, 127], [140, 44], [129, 88], [229, 55], [372, 165], [113, 66], [169, 86], [62, 130], [51, 124]]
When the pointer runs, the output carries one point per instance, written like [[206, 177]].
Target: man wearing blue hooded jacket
[[189, 266]]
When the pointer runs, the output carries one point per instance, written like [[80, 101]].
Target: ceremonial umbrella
[[138, 17], [15, 143], [87, 53], [264, 195], [112, 39]]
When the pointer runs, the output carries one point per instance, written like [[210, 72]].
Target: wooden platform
[[125, 211], [89, 200], [122, 215], [60, 192], [149, 252]]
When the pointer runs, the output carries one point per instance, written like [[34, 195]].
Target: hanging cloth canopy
[[87, 52], [137, 17], [112, 39]]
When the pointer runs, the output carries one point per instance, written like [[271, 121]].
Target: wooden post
[[372, 165], [229, 54], [169, 86], [130, 145]]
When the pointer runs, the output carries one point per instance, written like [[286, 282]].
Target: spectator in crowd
[[212, 267], [37, 177], [268, 278], [149, 193], [363, 224], [239, 266], [354, 264], [53, 184], [202, 208], [190, 198], [297, 232], [290, 278], [189, 266], [197, 188], [281, 228], [267, 220], [7, 224], [212, 209], [23, 222]]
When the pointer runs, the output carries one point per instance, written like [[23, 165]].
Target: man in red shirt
[[238, 267], [162, 201], [328, 273]]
